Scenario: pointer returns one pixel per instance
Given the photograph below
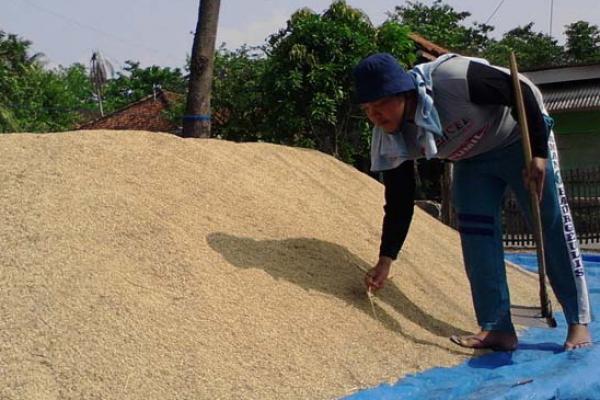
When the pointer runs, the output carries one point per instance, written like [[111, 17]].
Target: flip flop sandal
[[479, 343], [577, 346]]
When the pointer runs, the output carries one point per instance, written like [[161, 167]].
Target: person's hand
[[535, 175], [375, 278]]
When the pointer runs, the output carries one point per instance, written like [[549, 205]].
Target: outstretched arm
[[399, 206]]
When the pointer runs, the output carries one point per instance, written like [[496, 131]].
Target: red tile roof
[[427, 49], [144, 114]]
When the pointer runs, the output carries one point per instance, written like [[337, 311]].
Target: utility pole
[[196, 122], [551, 15]]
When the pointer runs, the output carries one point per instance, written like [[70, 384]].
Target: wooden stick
[[546, 306], [371, 297]]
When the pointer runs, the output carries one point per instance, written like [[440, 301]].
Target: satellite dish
[[100, 71]]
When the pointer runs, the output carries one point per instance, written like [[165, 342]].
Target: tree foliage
[[238, 97], [308, 77], [443, 25], [534, 49], [134, 83], [33, 98], [583, 42], [448, 27]]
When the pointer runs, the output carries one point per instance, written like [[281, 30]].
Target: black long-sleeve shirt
[[486, 86], [399, 206]]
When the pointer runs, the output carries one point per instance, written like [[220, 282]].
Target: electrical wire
[[495, 11], [90, 27]]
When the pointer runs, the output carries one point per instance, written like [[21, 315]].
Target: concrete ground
[[587, 247], [591, 247]]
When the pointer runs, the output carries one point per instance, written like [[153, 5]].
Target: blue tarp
[[538, 369]]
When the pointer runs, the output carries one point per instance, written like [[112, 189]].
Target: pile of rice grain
[[142, 265]]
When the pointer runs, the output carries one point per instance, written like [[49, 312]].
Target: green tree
[[443, 25], [15, 54], [533, 49], [583, 42], [76, 80], [134, 83], [237, 94], [307, 81], [41, 101], [14, 61], [35, 99]]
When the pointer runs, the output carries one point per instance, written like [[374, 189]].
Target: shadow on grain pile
[[329, 268]]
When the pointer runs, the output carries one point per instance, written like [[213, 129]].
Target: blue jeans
[[478, 188]]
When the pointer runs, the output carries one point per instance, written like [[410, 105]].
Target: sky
[[159, 32]]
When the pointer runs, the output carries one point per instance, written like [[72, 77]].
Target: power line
[[91, 28], [495, 11]]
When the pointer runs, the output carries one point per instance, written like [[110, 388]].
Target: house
[[426, 50], [144, 114], [572, 97]]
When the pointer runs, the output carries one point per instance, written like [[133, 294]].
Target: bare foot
[[495, 340], [578, 337]]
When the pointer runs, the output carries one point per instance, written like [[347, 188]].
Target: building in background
[[146, 114], [572, 97]]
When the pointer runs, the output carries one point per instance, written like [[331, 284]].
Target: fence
[[583, 192]]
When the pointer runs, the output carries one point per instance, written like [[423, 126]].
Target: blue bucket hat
[[380, 75]]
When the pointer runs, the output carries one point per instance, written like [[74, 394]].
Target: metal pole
[[551, 15]]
